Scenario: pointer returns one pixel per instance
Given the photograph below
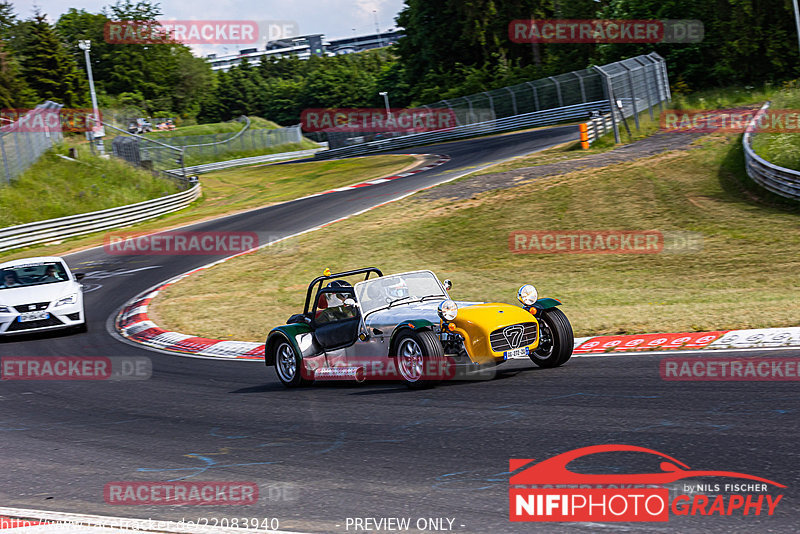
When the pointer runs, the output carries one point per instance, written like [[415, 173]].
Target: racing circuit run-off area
[[399, 266]]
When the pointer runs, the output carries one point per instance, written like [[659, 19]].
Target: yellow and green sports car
[[405, 327]]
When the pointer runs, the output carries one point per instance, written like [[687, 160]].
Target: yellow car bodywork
[[476, 323]]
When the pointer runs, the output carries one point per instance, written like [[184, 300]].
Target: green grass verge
[[243, 188], [54, 187], [781, 149], [256, 123], [745, 275]]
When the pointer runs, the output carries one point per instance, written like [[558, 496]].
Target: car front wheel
[[420, 359], [288, 365], [556, 339]]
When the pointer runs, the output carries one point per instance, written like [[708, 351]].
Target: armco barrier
[[779, 180], [598, 126], [86, 223], [516, 122]]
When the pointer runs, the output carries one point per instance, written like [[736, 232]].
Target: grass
[[745, 275], [781, 149], [242, 188], [209, 156], [55, 187], [256, 123]]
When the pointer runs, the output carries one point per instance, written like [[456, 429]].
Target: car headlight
[[5, 309], [448, 310], [72, 299], [528, 295]]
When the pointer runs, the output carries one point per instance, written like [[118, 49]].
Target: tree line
[[451, 48]]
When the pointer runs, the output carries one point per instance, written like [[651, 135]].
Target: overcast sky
[[333, 18]]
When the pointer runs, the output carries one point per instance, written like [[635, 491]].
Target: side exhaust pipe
[[356, 374]]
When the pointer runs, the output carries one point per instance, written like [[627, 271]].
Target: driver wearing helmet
[[335, 308], [395, 288]]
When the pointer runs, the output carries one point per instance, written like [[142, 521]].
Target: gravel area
[[655, 144]]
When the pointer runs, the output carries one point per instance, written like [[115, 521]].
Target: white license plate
[[520, 353], [33, 316]]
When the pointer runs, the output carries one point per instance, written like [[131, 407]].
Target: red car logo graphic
[[554, 470]]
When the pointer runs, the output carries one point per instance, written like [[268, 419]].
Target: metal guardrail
[[779, 180], [598, 127], [516, 122], [75, 225], [219, 165]]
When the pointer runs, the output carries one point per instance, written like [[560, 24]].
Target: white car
[[39, 294]]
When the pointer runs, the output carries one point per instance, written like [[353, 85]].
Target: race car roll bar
[[320, 279]]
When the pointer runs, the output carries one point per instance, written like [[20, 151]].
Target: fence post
[[558, 91], [580, 81], [609, 91], [513, 100], [650, 102], [535, 96], [5, 159], [491, 103], [633, 94]]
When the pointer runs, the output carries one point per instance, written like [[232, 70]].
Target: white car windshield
[[32, 274], [397, 288]]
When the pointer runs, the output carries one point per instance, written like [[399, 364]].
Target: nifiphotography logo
[[549, 491]]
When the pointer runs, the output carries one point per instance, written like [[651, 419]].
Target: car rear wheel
[[288, 365], [556, 339], [420, 359]]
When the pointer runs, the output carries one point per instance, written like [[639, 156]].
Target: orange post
[[584, 129]]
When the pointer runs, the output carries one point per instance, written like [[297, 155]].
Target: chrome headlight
[[448, 310], [528, 295], [71, 299]]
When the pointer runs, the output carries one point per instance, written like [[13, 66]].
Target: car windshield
[[407, 287], [33, 274]]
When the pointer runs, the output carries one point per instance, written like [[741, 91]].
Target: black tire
[[420, 359], [556, 339], [288, 364]]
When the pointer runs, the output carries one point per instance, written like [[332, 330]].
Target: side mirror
[[79, 276], [448, 284]]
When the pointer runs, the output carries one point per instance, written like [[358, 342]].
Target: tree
[[49, 69]]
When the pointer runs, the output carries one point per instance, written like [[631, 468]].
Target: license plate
[[33, 316], [519, 353]]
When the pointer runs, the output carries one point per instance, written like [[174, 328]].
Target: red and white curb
[[757, 338], [441, 160], [24, 521]]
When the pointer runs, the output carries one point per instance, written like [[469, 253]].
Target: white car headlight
[[448, 310], [528, 295], [71, 299], [5, 309]]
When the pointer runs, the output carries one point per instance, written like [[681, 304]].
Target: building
[[304, 47]]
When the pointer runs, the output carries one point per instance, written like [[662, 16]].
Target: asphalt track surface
[[323, 454]]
